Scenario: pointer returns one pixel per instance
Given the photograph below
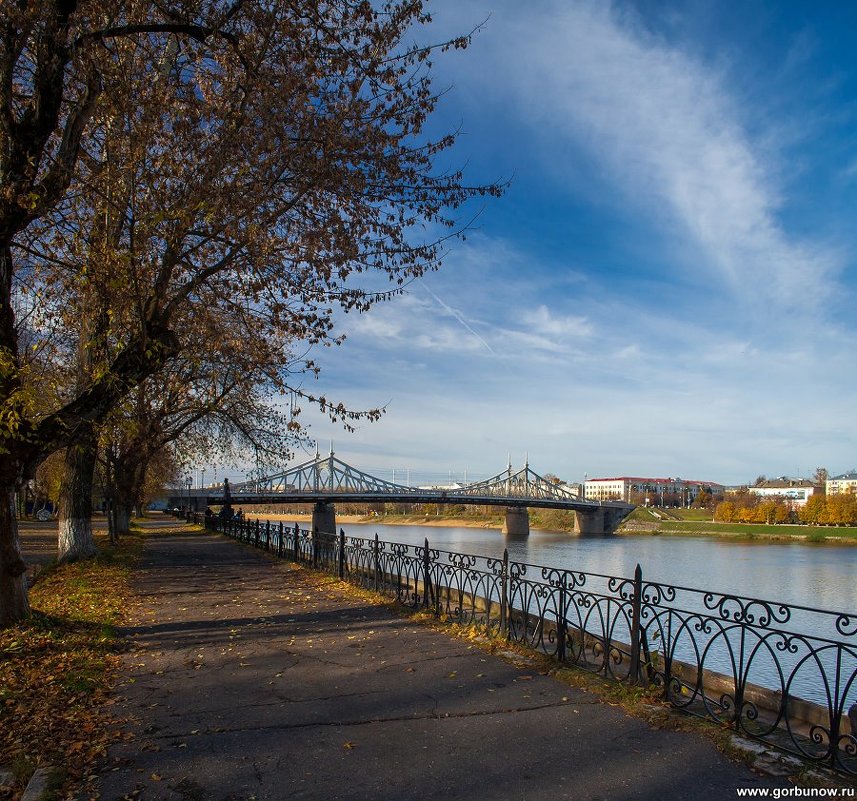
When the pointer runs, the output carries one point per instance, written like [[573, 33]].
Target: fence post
[[426, 577], [740, 684], [258, 531], [341, 553], [280, 541], [375, 550], [504, 595], [315, 546], [297, 542], [561, 622], [636, 608]]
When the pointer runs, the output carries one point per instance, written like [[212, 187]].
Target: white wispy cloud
[[543, 321], [671, 134]]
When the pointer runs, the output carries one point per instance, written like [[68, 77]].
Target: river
[[822, 576]]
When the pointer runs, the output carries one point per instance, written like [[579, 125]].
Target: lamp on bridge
[[226, 509]]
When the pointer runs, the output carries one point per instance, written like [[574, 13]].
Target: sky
[[667, 286]]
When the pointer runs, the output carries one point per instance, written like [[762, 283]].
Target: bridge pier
[[601, 521], [589, 523], [517, 521], [324, 517]]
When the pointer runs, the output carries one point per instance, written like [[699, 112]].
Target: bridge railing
[[783, 674]]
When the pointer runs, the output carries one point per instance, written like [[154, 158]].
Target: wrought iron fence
[[782, 674]]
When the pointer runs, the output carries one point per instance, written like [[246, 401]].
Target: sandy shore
[[362, 520]]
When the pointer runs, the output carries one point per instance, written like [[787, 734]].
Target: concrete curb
[[38, 784]]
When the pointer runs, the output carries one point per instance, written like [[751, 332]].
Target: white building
[[649, 491], [839, 485], [795, 491]]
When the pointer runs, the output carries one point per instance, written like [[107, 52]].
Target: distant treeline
[[821, 510]]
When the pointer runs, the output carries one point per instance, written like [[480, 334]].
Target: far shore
[[391, 520]]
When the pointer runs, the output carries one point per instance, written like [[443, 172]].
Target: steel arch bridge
[[329, 475], [325, 480]]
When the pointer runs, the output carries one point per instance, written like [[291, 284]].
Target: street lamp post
[[189, 482]]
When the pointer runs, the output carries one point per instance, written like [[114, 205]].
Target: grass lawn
[[751, 530]]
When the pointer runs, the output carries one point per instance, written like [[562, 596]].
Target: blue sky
[[667, 286]]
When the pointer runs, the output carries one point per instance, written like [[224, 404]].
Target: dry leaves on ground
[[55, 669]]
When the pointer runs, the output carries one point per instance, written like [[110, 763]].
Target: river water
[[821, 576]]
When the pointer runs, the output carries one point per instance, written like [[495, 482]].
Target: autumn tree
[[218, 402], [274, 160], [725, 512], [830, 510], [813, 511], [704, 499]]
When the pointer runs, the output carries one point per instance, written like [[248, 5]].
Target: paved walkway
[[252, 679]]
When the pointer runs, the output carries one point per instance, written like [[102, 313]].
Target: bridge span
[[326, 480]]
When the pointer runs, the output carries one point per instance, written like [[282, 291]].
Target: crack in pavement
[[365, 721]]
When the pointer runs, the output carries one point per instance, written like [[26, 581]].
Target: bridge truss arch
[[325, 475]]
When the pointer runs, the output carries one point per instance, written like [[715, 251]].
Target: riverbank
[[386, 520], [747, 532]]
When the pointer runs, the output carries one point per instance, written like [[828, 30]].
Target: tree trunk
[[128, 472], [121, 517], [75, 500], [110, 510], [14, 605]]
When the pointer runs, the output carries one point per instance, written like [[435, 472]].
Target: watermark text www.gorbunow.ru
[[796, 792]]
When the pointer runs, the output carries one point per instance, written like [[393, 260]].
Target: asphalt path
[[256, 680]]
